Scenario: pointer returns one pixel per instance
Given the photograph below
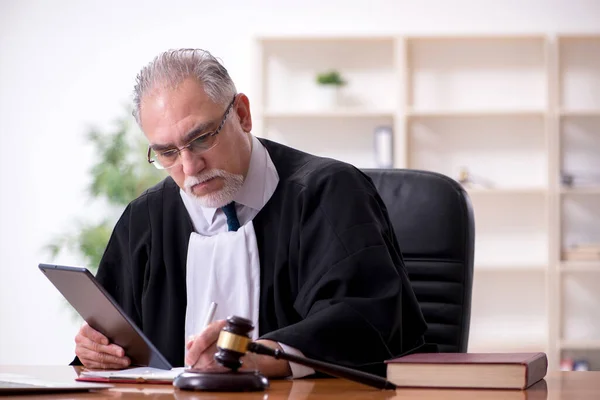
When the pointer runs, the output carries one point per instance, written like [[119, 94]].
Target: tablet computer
[[101, 312]]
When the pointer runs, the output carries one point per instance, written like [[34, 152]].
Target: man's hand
[[95, 351], [203, 347]]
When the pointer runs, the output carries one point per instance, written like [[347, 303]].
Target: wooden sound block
[[221, 381]]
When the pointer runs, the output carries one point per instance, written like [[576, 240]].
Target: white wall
[[67, 64]]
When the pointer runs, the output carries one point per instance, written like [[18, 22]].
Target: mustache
[[191, 181], [231, 184]]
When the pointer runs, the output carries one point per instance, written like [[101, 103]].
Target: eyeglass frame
[[209, 134]]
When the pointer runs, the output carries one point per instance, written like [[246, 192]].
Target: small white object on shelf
[[328, 89], [327, 97], [582, 252], [383, 141]]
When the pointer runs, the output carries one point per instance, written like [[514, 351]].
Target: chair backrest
[[433, 220]]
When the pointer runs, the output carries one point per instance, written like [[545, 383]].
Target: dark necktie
[[233, 224]]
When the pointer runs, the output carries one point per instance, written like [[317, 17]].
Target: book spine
[[536, 370]]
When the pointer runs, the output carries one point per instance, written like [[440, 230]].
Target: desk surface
[[559, 385]]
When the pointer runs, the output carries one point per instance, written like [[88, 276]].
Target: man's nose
[[192, 164]]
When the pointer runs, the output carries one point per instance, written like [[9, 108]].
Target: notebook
[[132, 375], [15, 383], [468, 370]]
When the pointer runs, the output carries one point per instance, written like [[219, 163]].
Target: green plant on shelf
[[332, 77]]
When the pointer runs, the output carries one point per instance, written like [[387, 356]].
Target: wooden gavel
[[234, 342]]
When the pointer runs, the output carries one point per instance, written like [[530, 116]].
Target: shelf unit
[[504, 108], [290, 113], [577, 121]]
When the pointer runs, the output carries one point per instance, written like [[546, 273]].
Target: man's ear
[[242, 109]]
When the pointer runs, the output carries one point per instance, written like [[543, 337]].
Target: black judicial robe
[[332, 279]]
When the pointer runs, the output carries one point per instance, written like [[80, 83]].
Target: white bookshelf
[[578, 205], [289, 108], [513, 110]]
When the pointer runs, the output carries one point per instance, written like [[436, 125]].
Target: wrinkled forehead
[[184, 97], [169, 113]]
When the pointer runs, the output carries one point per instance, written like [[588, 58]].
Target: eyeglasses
[[164, 159]]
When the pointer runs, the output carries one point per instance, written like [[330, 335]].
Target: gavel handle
[[327, 368]]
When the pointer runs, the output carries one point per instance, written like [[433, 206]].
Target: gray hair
[[172, 67]]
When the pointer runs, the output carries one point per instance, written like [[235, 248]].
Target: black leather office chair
[[433, 220]]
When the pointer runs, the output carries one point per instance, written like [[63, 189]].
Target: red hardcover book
[[468, 370]]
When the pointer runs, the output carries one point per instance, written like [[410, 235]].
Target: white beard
[[232, 183]]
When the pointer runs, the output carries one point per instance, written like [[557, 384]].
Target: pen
[[211, 314], [209, 317]]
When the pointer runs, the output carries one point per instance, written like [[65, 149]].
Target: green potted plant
[[329, 84], [119, 174], [332, 77]]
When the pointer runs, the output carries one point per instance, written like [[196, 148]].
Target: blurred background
[[503, 96]]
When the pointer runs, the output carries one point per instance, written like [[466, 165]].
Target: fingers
[[94, 351], [204, 344], [94, 355], [206, 362], [92, 347], [93, 334], [190, 341], [93, 364]]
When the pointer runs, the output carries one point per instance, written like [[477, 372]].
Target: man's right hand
[[95, 351]]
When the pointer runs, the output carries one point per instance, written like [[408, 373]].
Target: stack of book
[[569, 364], [582, 252]]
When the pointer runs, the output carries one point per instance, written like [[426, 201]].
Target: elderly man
[[300, 245]]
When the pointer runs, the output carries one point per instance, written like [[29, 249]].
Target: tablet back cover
[[101, 312]]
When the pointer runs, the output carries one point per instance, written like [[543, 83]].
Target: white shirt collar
[[259, 185]]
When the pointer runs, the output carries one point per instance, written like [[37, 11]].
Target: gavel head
[[233, 342]]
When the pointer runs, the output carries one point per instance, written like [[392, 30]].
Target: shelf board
[[581, 190], [580, 266], [351, 37], [580, 113], [578, 36], [339, 113], [510, 268], [479, 37], [580, 344], [510, 345], [507, 191], [475, 113]]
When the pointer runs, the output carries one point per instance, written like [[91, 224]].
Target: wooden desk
[[559, 385]]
